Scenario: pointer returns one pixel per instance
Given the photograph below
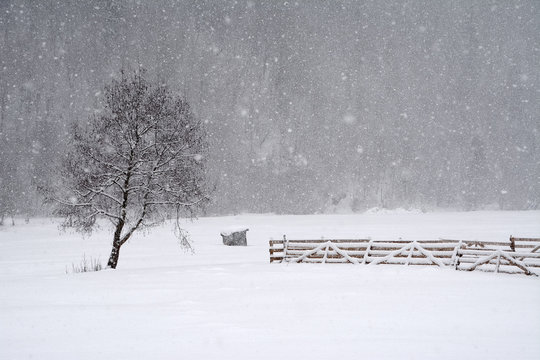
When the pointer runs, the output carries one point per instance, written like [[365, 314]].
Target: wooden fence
[[460, 254], [523, 256]]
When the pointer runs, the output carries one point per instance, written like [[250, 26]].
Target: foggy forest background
[[310, 106]]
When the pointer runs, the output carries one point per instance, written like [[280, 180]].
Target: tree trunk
[[117, 242], [115, 253]]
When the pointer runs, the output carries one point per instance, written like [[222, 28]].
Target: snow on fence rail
[[498, 261], [460, 254]]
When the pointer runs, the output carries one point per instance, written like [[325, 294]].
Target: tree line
[[308, 106]]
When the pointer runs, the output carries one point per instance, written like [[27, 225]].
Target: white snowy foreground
[[230, 303]]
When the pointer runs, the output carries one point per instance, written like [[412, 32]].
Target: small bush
[[86, 265]]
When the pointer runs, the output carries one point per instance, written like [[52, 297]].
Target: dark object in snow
[[235, 237]]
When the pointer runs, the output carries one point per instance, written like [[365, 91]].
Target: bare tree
[[136, 163]]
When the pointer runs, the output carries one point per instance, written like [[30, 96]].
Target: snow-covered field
[[230, 303]]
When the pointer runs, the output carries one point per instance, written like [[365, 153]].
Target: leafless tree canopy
[[138, 161]]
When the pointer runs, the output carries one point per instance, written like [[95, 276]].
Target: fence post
[[285, 246], [366, 254], [411, 250], [455, 255], [325, 256], [512, 243], [498, 260]]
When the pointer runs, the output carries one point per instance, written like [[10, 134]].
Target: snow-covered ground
[[230, 303]]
